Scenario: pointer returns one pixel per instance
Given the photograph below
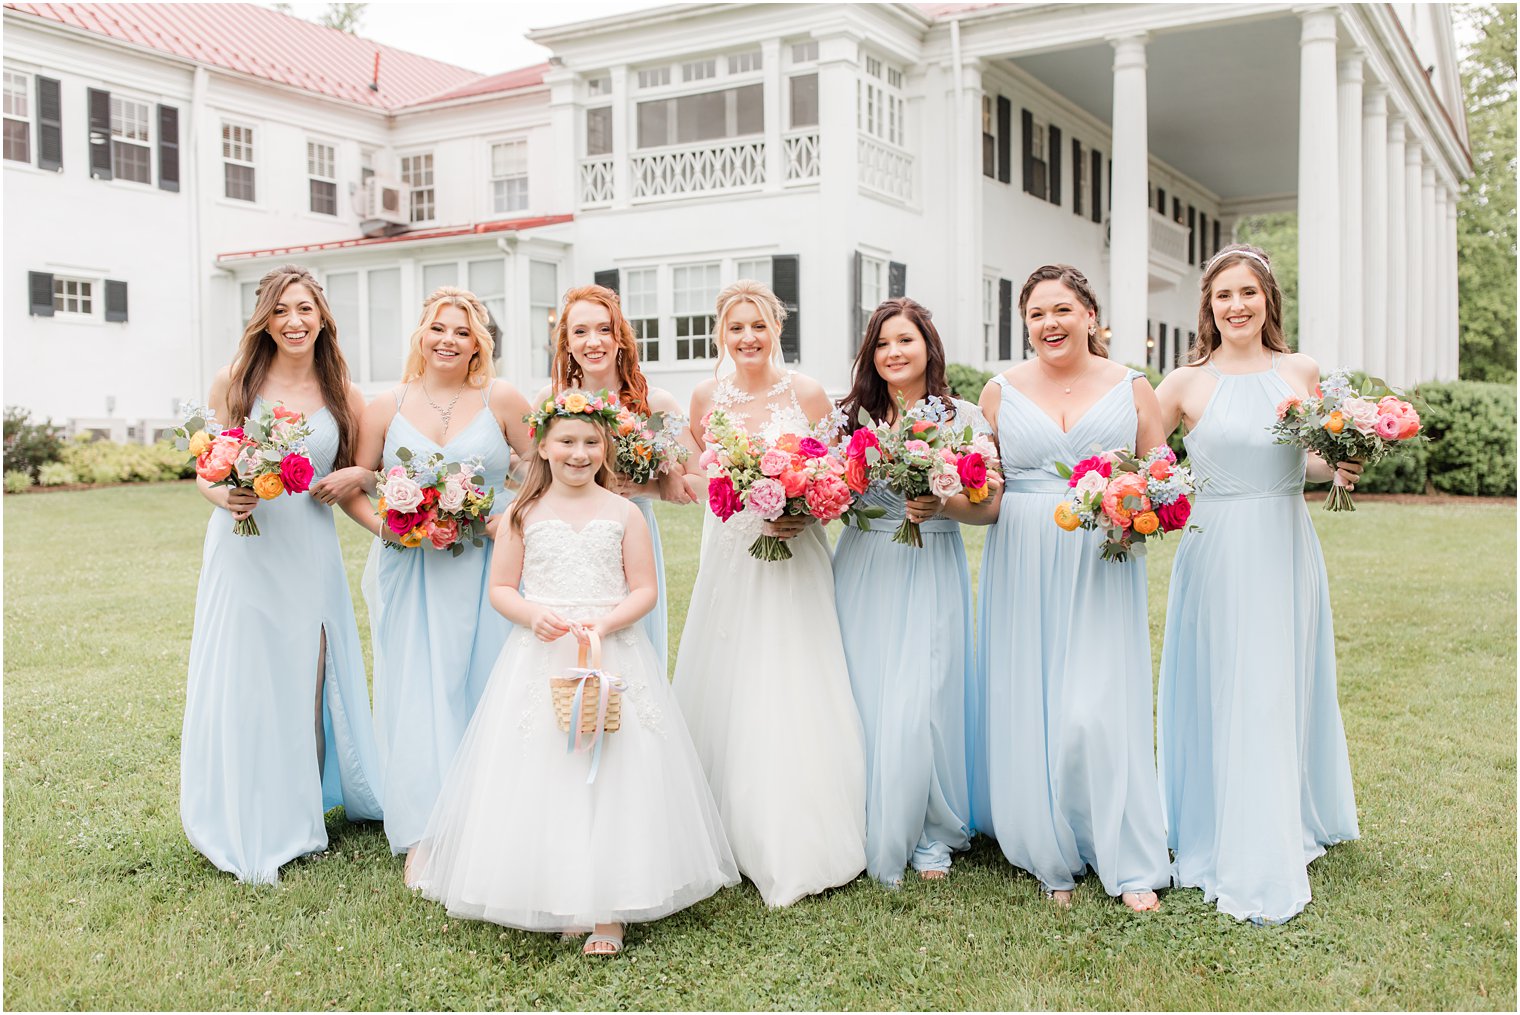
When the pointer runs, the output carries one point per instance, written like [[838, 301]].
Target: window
[[695, 288], [804, 100], [131, 158], [387, 331], [879, 102], [873, 283], [543, 297], [805, 52], [641, 304], [435, 276], [237, 162], [417, 173], [342, 290], [18, 117], [699, 70], [655, 77], [705, 116], [989, 138], [599, 86], [488, 281], [366, 165], [73, 296], [743, 63], [322, 169], [599, 131], [1037, 141], [509, 176], [989, 319]]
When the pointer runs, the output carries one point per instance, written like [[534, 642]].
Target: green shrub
[[17, 481], [1402, 472], [1472, 430], [56, 474], [967, 381], [97, 461], [28, 445]]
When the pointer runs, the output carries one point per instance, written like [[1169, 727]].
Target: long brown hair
[[867, 390], [257, 349], [538, 478], [481, 369], [1260, 264], [1077, 282], [565, 373]]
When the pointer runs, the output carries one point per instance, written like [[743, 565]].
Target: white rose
[[402, 493], [944, 484], [1091, 483], [452, 497]]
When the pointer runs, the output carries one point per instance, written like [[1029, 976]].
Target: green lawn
[[107, 906]]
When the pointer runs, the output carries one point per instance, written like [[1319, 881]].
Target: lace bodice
[[785, 412], [566, 567]]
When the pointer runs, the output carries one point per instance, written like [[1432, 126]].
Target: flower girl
[[527, 832]]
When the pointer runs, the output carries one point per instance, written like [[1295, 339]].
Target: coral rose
[[828, 498], [442, 533], [1066, 518], [789, 442], [1409, 425], [216, 464], [1287, 405], [723, 498], [1160, 469], [268, 486], [857, 475], [1175, 515], [794, 482], [1129, 485], [1146, 522], [296, 473]]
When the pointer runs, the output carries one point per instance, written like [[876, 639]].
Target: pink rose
[[794, 482], [1097, 463], [766, 498], [812, 447], [1174, 516], [442, 534], [235, 432], [1362, 413], [944, 484], [723, 498], [402, 522], [917, 447], [453, 495], [973, 471], [401, 491], [1409, 425], [857, 475], [707, 459], [774, 462], [1287, 405], [861, 441], [1389, 427], [1130, 484], [296, 473], [827, 498]]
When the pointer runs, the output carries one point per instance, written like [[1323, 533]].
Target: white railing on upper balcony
[[1169, 240], [596, 180], [710, 167], [801, 154], [885, 169]]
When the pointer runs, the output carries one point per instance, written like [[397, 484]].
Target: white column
[[838, 192], [1129, 247], [1352, 331], [1374, 344], [1453, 294], [622, 149], [771, 101], [1319, 262], [564, 187], [1414, 256], [1432, 280], [969, 225], [1398, 259]]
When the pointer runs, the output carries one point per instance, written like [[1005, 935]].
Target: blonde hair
[[481, 368], [771, 310], [538, 477]]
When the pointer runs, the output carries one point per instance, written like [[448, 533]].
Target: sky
[[485, 37]]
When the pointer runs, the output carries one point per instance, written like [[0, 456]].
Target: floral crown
[[573, 403]]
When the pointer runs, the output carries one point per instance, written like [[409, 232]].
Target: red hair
[[565, 372]]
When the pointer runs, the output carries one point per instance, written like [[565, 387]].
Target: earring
[[1092, 330]]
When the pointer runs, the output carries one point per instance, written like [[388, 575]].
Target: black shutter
[[607, 278], [168, 148], [1097, 186], [1028, 122], [857, 322], [897, 279], [1192, 232], [1203, 237], [1005, 141], [39, 285], [786, 281], [1005, 319], [1076, 172], [100, 134], [49, 127], [1110, 184], [1176, 210], [116, 300], [1053, 193], [1215, 248]]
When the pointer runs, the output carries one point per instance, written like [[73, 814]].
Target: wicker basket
[[563, 690]]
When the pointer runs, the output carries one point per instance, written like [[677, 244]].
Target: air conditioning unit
[[383, 200]]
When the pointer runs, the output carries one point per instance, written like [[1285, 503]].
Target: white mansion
[[159, 158]]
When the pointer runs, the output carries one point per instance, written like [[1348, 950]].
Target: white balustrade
[[596, 180], [801, 154], [885, 169], [698, 169]]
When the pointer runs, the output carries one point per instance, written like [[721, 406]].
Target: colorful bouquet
[[267, 454], [920, 454], [794, 475], [647, 446], [1341, 424], [1129, 497], [444, 503]]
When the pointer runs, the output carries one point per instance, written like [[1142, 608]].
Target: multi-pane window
[[873, 284], [509, 176], [366, 164], [18, 117], [695, 291], [237, 162], [417, 173], [488, 281], [989, 319], [654, 77], [131, 157], [73, 295], [989, 138], [599, 131], [804, 100], [641, 303], [757, 268], [543, 300], [743, 63], [805, 52], [322, 171], [699, 70], [705, 116], [880, 104], [599, 86]]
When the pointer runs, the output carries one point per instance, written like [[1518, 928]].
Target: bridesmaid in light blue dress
[[595, 350], [1253, 760], [905, 616], [435, 633], [1062, 765], [277, 727]]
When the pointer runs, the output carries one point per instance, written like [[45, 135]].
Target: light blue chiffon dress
[[654, 621], [436, 635], [255, 779], [1063, 772], [905, 616], [1253, 760]]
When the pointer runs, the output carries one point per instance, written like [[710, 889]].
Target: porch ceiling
[[1222, 100]]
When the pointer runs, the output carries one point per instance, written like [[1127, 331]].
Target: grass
[[107, 906]]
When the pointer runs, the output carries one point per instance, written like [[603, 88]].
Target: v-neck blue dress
[[1062, 769], [436, 636]]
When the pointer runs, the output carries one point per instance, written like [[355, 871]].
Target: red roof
[[523, 77], [267, 44], [499, 226]]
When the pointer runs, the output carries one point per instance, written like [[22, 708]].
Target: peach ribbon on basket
[[606, 684]]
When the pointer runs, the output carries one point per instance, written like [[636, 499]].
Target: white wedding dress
[[762, 680]]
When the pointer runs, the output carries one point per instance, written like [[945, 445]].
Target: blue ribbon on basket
[[606, 684]]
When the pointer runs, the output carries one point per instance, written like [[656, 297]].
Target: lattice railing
[[801, 153], [596, 180], [1168, 239], [885, 169], [699, 169]]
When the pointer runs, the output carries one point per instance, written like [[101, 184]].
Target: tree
[[343, 17], [1277, 234], [1486, 210]]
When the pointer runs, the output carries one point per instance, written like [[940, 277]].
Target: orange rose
[[1066, 518], [789, 442], [1336, 423], [977, 494], [1160, 469], [268, 486], [1146, 522]]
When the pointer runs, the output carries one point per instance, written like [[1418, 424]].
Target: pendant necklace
[[446, 414]]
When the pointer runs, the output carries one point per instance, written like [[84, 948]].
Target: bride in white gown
[[760, 673]]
